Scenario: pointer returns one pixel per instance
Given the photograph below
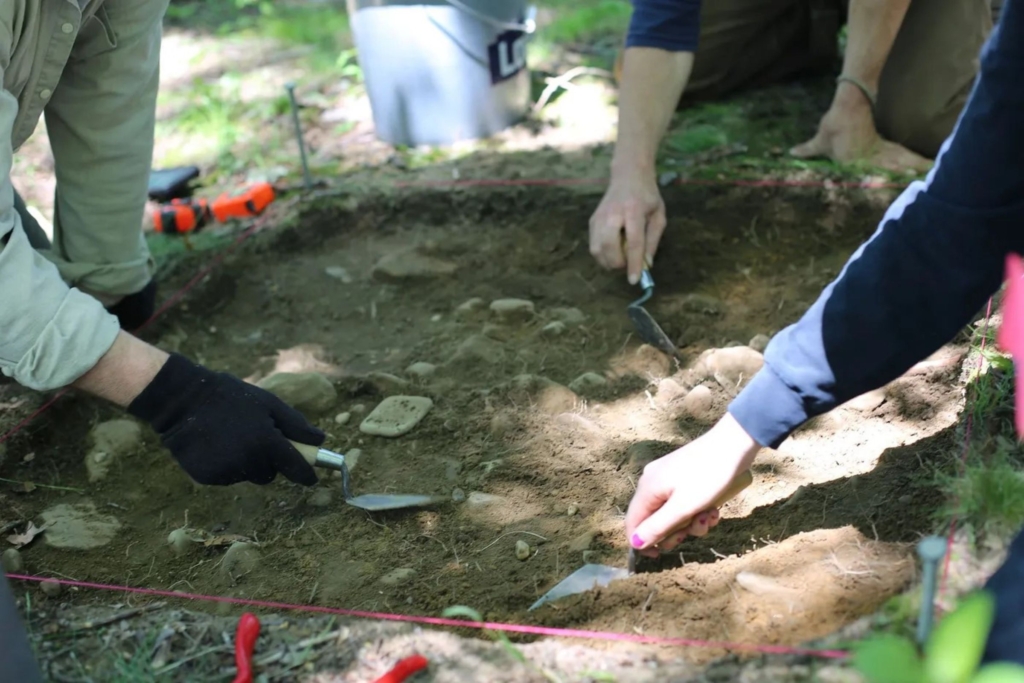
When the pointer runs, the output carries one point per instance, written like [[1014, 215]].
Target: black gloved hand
[[222, 430], [137, 308]]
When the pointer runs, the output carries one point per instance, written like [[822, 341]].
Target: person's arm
[[936, 256], [847, 132], [656, 67]]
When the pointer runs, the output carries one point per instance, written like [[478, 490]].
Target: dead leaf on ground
[[12, 405], [225, 539], [21, 540]]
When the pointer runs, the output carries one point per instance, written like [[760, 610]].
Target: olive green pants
[[925, 82]]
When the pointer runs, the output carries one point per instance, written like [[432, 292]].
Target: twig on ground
[[510, 533], [114, 618]]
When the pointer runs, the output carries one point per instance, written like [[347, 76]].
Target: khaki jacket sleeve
[[50, 334], [101, 120]]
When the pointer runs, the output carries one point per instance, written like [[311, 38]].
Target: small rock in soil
[[421, 370], [573, 509], [339, 273], [581, 542], [906, 499], [352, 458], [78, 527], [587, 382], [669, 390], [358, 409], [643, 452], [396, 415], [342, 418], [241, 558], [452, 469], [411, 265], [458, 495], [555, 328], [116, 437], [180, 541], [760, 342], [701, 303], [320, 498], [568, 316], [480, 499], [11, 561], [397, 577], [307, 392], [496, 332], [386, 384], [50, 588], [734, 367], [513, 310], [522, 550], [469, 309], [698, 403], [97, 465], [478, 348]]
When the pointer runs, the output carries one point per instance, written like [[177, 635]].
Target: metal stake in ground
[[931, 550], [306, 177]]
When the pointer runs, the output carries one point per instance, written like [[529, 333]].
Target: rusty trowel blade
[[650, 331], [379, 501], [587, 577]]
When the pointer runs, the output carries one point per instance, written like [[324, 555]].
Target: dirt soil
[[361, 286]]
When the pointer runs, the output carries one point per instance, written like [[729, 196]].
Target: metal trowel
[[646, 326], [591, 576], [374, 502]]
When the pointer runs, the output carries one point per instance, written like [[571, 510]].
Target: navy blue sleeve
[[672, 25], [937, 255]]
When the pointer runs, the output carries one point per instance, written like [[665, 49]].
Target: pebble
[[702, 303], [573, 509], [480, 499], [496, 332], [421, 370], [513, 310], [555, 328], [11, 561], [307, 392], [759, 342], [240, 558], [698, 403], [734, 367], [352, 458], [478, 348], [522, 551], [452, 469], [469, 308], [386, 384], [906, 499], [568, 316], [581, 542], [396, 577], [116, 437], [587, 382], [396, 415], [50, 588], [321, 498], [458, 495], [411, 265], [342, 418], [78, 527], [358, 409], [339, 273], [180, 541]]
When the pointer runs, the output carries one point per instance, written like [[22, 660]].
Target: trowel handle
[[308, 452], [320, 457]]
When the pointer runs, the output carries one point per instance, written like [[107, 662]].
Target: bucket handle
[[528, 26]]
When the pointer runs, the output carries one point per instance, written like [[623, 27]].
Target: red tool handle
[[245, 642], [405, 668]]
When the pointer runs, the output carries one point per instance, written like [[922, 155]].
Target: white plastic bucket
[[440, 71]]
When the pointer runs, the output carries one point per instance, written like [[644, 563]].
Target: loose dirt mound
[[361, 293]]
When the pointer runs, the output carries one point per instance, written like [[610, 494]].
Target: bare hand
[[675, 496], [634, 205], [847, 137]]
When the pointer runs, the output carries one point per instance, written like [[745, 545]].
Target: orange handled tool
[[404, 669], [245, 642], [248, 204], [183, 216]]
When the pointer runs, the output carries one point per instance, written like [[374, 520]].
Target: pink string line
[[456, 623], [968, 426], [734, 182]]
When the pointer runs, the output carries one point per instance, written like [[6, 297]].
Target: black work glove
[[137, 308], [222, 430]]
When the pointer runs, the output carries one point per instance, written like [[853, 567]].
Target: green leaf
[[462, 611], [954, 650], [1001, 672], [888, 659]]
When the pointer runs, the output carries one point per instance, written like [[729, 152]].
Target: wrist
[[632, 166], [733, 438], [124, 371], [853, 99]]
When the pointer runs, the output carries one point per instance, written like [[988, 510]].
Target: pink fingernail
[[703, 519], [714, 515], [637, 541]]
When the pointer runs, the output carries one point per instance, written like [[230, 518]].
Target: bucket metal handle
[[528, 26]]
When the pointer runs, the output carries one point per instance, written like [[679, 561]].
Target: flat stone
[[78, 527], [308, 392], [421, 370], [479, 348], [581, 542], [567, 316], [470, 308], [396, 577], [513, 310], [555, 328], [759, 342], [241, 558], [411, 265], [396, 415], [352, 457], [339, 273], [587, 382]]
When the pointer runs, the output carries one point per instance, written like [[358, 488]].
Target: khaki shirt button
[[67, 28], [45, 94]]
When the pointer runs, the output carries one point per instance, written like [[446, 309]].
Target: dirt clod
[[421, 370], [180, 541], [240, 559], [11, 561], [78, 527], [320, 498], [396, 577], [50, 588], [308, 392], [396, 415], [734, 367], [581, 542], [698, 403], [513, 310], [567, 315], [411, 265], [588, 382]]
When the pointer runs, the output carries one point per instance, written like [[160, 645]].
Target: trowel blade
[[650, 331], [382, 501], [587, 577]]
